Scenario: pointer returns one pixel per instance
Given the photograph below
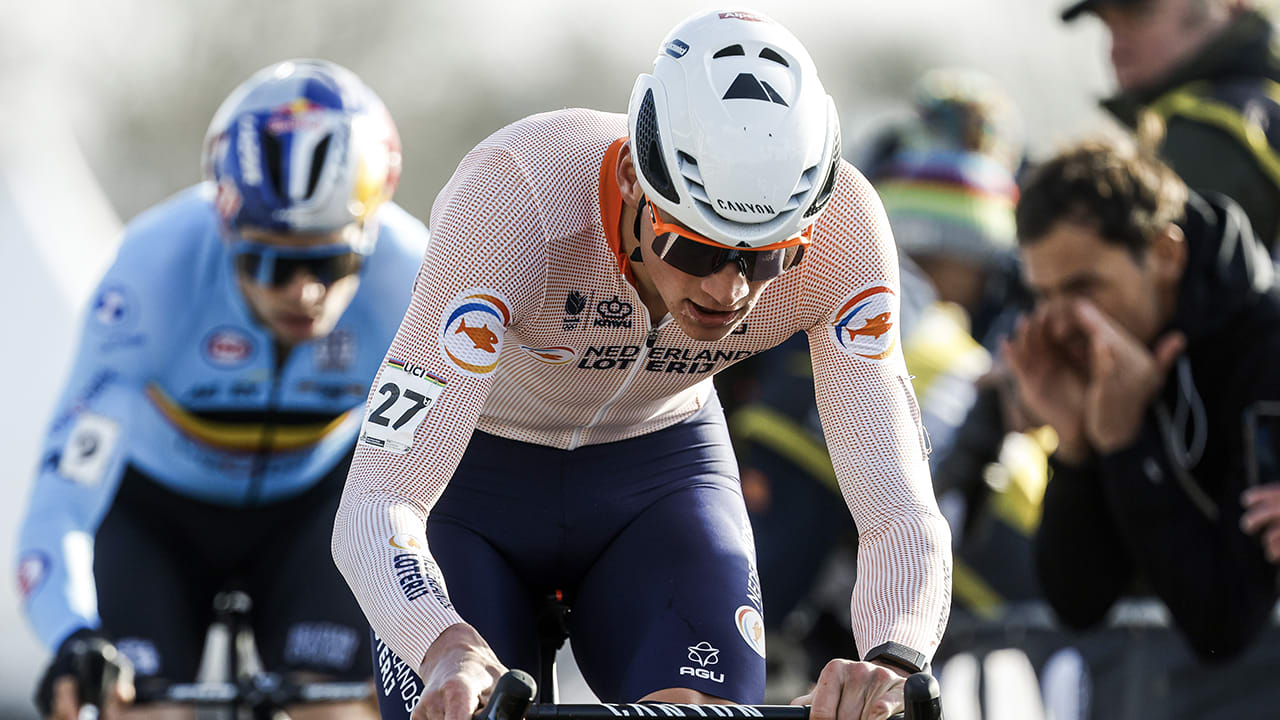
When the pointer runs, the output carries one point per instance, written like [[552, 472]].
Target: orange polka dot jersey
[[524, 323]]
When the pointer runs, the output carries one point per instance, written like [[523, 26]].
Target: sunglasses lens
[[763, 264], [248, 264], [770, 264], [286, 268], [689, 256], [338, 267], [282, 268]]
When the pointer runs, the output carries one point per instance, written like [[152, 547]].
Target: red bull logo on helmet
[[741, 15], [472, 328], [293, 115]]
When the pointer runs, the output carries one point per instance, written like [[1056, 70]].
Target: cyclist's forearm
[[908, 559], [55, 559], [380, 546]]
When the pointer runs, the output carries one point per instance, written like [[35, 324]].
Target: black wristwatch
[[897, 655]]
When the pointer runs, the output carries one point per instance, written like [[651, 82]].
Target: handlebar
[[262, 690], [513, 695], [96, 668]]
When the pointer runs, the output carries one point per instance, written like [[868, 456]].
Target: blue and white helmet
[[733, 133], [301, 146]]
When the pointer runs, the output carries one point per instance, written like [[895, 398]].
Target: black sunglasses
[[702, 257], [274, 266]]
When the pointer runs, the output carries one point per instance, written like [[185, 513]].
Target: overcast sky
[[137, 80]]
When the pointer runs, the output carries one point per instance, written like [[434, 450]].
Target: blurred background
[[106, 103]]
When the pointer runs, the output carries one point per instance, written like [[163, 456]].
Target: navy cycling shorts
[[160, 558], [647, 539]]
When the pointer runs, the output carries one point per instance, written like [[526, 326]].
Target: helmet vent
[[689, 169], [828, 183], [747, 87], [771, 54], [317, 163], [729, 51], [649, 150], [803, 186], [273, 166]]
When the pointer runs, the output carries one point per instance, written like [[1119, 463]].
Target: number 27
[[392, 391]]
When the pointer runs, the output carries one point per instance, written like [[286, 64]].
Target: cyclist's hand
[[85, 664], [458, 674], [854, 690], [66, 700]]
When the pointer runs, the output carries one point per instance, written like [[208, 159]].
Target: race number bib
[[88, 450], [404, 394]]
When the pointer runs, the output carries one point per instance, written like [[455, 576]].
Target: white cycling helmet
[[733, 133]]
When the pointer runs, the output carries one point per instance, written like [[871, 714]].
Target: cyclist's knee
[[684, 695]]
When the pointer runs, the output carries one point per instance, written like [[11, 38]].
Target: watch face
[[897, 655]]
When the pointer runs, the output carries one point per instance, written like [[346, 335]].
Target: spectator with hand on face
[[1151, 353]]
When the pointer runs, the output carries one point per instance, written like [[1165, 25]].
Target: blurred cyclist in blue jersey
[[205, 431]]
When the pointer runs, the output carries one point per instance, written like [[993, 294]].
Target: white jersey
[[525, 323]]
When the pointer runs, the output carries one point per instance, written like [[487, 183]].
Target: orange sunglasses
[[697, 255]]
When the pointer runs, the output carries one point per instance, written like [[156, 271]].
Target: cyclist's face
[[706, 308], [301, 306]]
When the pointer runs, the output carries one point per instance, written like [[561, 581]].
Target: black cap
[[1077, 9]]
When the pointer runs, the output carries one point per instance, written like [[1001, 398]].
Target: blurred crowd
[[1090, 336]]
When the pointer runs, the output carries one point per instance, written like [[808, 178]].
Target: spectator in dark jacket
[[1152, 352], [1210, 71]]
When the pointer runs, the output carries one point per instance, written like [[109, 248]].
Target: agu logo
[[471, 334], [865, 325], [557, 355], [703, 654]]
